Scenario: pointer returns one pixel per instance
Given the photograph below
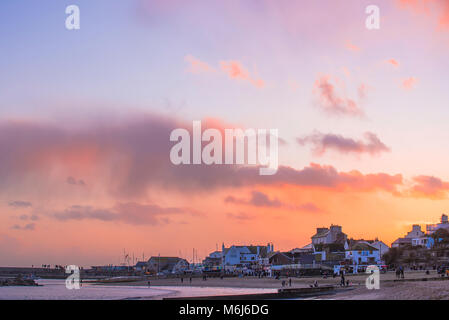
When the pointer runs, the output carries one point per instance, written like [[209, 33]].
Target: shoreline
[[271, 283]]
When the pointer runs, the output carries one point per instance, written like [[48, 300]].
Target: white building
[[382, 247], [421, 241], [334, 234], [431, 228], [363, 253], [245, 255], [415, 233]]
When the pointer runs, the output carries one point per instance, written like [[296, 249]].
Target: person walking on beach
[[190, 279], [290, 282], [342, 280], [402, 272], [182, 280], [398, 273]]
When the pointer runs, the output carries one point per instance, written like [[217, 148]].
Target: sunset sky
[[86, 116]]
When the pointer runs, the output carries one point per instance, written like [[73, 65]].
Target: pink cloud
[[128, 159], [346, 72], [362, 91], [331, 102], [260, 199], [241, 216], [129, 213], [352, 47], [429, 187], [324, 142], [438, 10], [310, 207], [409, 83], [198, 66], [235, 70], [393, 62]]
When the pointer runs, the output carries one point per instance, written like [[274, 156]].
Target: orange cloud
[[409, 83], [429, 187]]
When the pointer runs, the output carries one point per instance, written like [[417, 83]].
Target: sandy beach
[[418, 290], [389, 288]]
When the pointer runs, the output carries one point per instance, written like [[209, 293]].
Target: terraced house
[[245, 255], [363, 253]]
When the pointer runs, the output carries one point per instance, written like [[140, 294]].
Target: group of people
[[343, 281], [284, 282], [400, 272], [190, 280]]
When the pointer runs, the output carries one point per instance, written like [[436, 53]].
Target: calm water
[[56, 290]]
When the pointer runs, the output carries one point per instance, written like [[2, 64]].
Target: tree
[[392, 256], [441, 236]]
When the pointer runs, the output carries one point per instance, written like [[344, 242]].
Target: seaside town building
[[415, 233], [141, 266], [363, 253], [245, 255], [444, 224], [213, 261], [166, 265], [334, 234]]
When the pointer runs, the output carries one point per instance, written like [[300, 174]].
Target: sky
[[86, 116]]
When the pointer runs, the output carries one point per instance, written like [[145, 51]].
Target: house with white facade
[[363, 253], [444, 224], [424, 241], [381, 246], [245, 255], [415, 233], [334, 234]]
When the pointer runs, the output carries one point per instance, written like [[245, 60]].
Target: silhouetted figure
[[290, 282], [342, 279]]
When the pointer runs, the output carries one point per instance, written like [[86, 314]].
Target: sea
[[56, 290]]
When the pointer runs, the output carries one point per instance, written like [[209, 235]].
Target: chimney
[[336, 229], [319, 230]]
